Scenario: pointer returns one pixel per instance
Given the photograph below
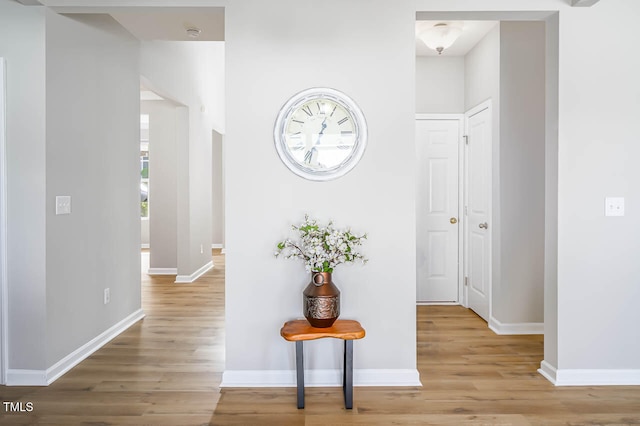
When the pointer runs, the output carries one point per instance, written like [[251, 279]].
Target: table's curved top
[[297, 330]]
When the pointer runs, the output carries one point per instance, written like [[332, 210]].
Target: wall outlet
[[107, 295]]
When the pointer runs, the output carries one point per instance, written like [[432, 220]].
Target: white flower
[[322, 248]]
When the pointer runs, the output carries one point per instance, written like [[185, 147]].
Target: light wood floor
[[166, 369]]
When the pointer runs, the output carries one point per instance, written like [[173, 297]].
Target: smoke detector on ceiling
[[194, 32]]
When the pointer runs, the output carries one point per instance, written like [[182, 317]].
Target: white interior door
[[478, 210], [437, 149]]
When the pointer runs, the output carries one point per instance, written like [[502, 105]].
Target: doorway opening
[[454, 208], [507, 267]]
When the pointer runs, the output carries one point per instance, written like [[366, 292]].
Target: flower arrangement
[[322, 248]]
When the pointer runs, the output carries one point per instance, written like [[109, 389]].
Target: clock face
[[320, 134]]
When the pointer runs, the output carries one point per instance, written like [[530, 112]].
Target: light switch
[[614, 206], [63, 204]]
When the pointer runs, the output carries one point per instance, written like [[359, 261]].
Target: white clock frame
[[360, 132]]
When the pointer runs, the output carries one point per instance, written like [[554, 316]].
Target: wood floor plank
[[167, 368]]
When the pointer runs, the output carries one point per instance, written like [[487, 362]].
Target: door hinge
[[466, 281], [466, 139]]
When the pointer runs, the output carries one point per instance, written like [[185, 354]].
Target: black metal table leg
[[300, 373], [347, 382]]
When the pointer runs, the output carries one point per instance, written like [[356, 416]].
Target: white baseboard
[[223, 251], [216, 246], [589, 377], [48, 376], [548, 371], [419, 303], [182, 279], [17, 377], [516, 328], [145, 246], [162, 271], [318, 378]]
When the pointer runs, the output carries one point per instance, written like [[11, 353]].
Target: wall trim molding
[[162, 271], [183, 279], [46, 377], [438, 116], [589, 377], [548, 371], [26, 377], [145, 246], [516, 328], [319, 378], [216, 246]]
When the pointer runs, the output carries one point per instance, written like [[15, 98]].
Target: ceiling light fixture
[[193, 32], [441, 36]]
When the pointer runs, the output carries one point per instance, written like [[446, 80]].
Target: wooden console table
[[348, 330]]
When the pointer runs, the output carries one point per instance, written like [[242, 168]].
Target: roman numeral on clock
[[343, 120], [307, 110]]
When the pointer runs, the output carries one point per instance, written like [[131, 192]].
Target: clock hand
[[324, 126]]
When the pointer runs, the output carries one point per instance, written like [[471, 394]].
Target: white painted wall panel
[[93, 155], [598, 268], [26, 182], [440, 85], [275, 50], [163, 190], [518, 296]]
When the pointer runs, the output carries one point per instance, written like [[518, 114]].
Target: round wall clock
[[320, 134]]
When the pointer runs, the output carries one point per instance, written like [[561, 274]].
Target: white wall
[[217, 198], [440, 84], [163, 181], [144, 232], [92, 152], [263, 198], [518, 296], [598, 268], [192, 74], [482, 73], [26, 166], [482, 83], [551, 192]]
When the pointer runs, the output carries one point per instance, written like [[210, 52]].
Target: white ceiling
[[171, 23], [472, 33]]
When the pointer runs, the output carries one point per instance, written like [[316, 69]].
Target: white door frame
[[473, 111], [461, 221], [3, 229]]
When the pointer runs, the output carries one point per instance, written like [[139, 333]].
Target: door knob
[[453, 220], [484, 225]]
